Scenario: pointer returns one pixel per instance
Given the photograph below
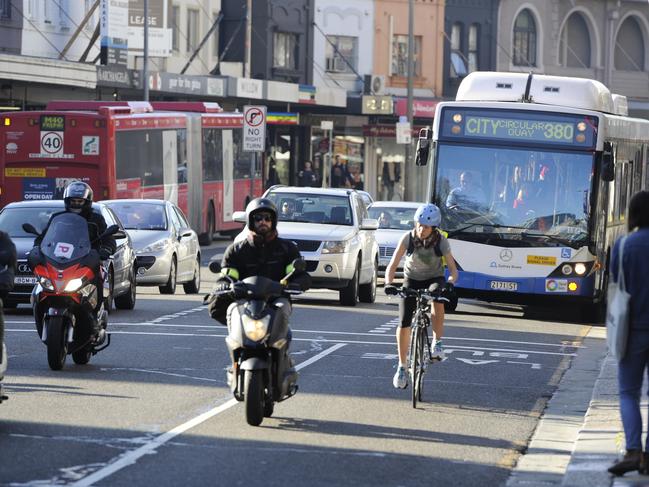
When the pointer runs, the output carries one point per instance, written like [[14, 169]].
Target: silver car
[[395, 218], [166, 248]]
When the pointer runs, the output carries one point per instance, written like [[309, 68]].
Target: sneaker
[[400, 380], [438, 352]]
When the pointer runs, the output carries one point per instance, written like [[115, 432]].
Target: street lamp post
[[408, 166], [145, 68]]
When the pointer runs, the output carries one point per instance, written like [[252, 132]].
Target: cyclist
[[424, 248]]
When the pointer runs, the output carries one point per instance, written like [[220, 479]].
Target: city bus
[[533, 175], [189, 153]]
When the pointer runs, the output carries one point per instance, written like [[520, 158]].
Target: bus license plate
[[504, 285], [24, 280]]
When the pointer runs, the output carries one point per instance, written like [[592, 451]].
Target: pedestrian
[[390, 175], [273, 178], [337, 173], [307, 177], [635, 362]]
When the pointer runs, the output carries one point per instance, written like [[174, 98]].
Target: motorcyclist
[[262, 253], [7, 272], [78, 197]]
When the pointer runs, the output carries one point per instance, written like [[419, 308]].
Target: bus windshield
[[522, 196]]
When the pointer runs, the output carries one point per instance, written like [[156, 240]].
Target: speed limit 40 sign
[[51, 143]]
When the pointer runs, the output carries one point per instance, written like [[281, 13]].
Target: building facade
[[606, 40]]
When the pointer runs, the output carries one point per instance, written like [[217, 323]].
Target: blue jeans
[[630, 375]]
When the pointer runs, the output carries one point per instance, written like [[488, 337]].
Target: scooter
[[258, 342], [66, 295]]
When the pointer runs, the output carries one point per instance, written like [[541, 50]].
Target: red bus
[[186, 152]]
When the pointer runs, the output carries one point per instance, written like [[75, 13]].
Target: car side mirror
[[423, 146], [215, 266], [186, 233], [239, 216], [29, 228], [119, 234], [369, 224], [608, 162]]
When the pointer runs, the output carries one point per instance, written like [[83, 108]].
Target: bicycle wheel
[[415, 364]]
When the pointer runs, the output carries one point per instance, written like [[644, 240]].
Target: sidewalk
[[580, 433]]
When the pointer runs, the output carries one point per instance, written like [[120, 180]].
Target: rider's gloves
[[240, 290], [104, 253], [448, 289], [222, 286], [391, 290]]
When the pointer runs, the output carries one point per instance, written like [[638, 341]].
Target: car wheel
[[367, 292], [193, 286], [349, 294], [170, 286], [127, 300], [108, 300]]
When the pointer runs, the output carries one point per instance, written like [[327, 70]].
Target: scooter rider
[[262, 253], [78, 197]]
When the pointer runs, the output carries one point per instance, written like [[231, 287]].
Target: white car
[[395, 218], [334, 234]]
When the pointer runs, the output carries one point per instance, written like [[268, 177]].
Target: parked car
[[166, 247], [121, 268], [395, 218], [334, 234]]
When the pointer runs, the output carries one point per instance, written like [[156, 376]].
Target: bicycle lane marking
[[132, 457]]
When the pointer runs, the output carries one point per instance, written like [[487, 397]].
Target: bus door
[[228, 180], [193, 167]]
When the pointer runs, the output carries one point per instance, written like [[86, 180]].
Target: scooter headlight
[[255, 329], [73, 285], [46, 283]]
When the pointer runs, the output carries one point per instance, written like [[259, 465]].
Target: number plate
[[504, 285], [24, 280]]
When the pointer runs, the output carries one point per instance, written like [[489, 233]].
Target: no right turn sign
[[254, 128]]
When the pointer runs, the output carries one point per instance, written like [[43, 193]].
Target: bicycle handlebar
[[437, 295]]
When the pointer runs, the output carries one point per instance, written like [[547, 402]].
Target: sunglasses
[[261, 218]]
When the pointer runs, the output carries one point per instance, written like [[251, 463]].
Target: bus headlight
[[566, 269], [255, 329], [580, 269]]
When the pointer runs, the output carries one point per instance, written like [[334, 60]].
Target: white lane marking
[[160, 372], [325, 340], [131, 458]]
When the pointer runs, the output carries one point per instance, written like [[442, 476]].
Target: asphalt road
[[154, 409]]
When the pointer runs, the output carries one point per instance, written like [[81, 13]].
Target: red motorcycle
[[66, 295]]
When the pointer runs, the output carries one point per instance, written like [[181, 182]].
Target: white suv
[[334, 234]]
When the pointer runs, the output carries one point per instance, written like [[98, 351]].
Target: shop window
[[340, 53], [458, 65], [400, 55], [574, 43], [285, 50], [524, 51]]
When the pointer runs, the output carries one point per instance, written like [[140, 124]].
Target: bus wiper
[[562, 241], [480, 224]]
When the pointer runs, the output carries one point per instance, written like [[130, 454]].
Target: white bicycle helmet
[[428, 215]]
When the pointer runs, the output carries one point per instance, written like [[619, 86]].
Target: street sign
[[254, 128], [326, 125], [404, 134]]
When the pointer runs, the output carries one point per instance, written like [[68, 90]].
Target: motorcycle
[[66, 295], [258, 342]]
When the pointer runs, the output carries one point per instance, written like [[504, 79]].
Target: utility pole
[[145, 70], [410, 179]]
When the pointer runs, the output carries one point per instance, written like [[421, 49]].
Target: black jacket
[[268, 259], [8, 264], [96, 226]]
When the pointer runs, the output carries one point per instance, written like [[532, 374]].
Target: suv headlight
[[336, 246], [255, 329], [154, 247]]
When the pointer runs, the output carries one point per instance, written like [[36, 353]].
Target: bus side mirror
[[608, 163], [423, 146]]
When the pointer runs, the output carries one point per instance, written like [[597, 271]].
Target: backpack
[[436, 247]]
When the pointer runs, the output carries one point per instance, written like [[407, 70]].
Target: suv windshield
[[312, 208], [12, 219], [141, 216], [66, 238]]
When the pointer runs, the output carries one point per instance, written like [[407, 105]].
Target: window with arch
[[574, 43], [524, 39], [629, 46], [458, 65]]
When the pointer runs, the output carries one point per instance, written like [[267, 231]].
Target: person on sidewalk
[[635, 363]]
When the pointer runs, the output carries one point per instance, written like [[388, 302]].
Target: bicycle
[[419, 339]]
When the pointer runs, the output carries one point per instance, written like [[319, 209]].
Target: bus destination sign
[[525, 126], [54, 123]]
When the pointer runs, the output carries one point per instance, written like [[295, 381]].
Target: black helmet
[[77, 190], [261, 204]]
